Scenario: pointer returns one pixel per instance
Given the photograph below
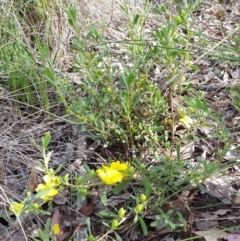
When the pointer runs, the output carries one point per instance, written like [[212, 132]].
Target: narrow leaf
[[117, 236], [120, 187], [46, 139], [143, 225], [104, 197]]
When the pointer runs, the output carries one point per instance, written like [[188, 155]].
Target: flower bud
[[91, 238], [83, 191], [142, 197], [121, 212], [35, 206], [91, 118], [155, 139], [131, 170], [169, 121], [109, 90], [139, 208], [114, 224], [178, 20], [81, 119]]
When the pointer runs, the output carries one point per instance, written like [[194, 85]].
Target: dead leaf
[[57, 218], [134, 235], [115, 200], [60, 198], [32, 181], [221, 211], [211, 236], [233, 237], [69, 151], [63, 237], [87, 210], [220, 187], [206, 222], [217, 236]]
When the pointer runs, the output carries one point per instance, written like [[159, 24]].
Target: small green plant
[[19, 65], [118, 103], [235, 90], [47, 235], [111, 174]]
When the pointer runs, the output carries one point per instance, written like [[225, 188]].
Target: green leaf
[[154, 224], [34, 239], [143, 225], [104, 197], [107, 214], [46, 139], [123, 81], [119, 187], [60, 167], [39, 169], [237, 148], [106, 224], [200, 104], [41, 193], [201, 188], [130, 79], [88, 222], [136, 19], [117, 236], [148, 188], [135, 220], [41, 234], [86, 168], [72, 14], [47, 228], [194, 67], [157, 10], [136, 65], [47, 213], [50, 76], [47, 159]]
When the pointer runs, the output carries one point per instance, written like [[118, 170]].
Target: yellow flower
[[114, 173], [50, 187], [52, 180], [118, 166], [110, 176], [186, 121], [56, 229], [50, 191], [16, 208]]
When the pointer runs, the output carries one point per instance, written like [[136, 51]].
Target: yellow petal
[[56, 229], [110, 176], [119, 166], [16, 207], [40, 187], [47, 179], [52, 192], [101, 173], [186, 121]]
